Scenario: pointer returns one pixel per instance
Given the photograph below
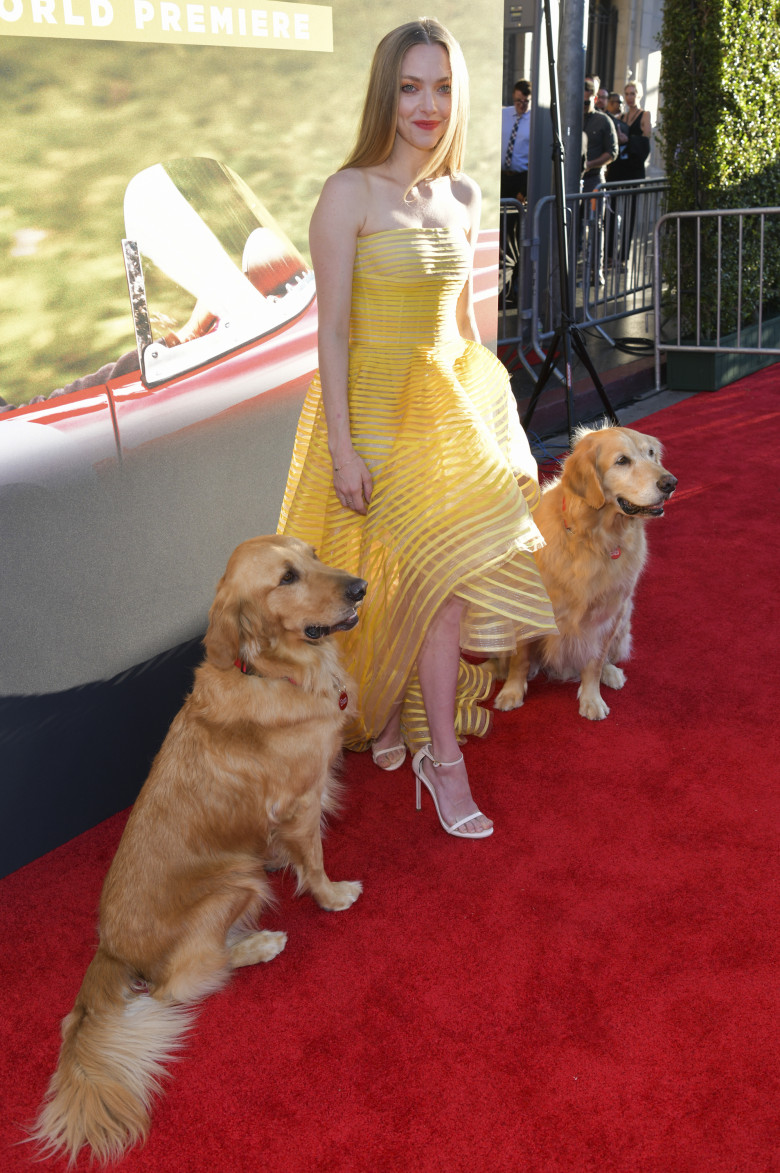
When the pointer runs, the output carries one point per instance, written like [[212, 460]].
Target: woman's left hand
[[353, 483]]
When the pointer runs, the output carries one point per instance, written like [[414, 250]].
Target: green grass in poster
[[81, 118]]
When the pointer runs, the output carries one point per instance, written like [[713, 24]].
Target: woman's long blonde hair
[[376, 134]]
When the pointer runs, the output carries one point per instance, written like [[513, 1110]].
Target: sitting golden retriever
[[242, 779], [593, 521]]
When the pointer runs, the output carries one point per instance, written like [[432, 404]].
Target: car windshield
[[214, 260]]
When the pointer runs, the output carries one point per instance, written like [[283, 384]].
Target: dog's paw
[[592, 706], [613, 676], [339, 895], [271, 945], [256, 947], [510, 697]]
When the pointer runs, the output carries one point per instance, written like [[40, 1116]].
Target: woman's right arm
[[333, 233]]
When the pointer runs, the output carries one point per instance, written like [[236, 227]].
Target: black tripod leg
[[569, 378], [544, 374], [562, 336], [582, 353], [566, 335]]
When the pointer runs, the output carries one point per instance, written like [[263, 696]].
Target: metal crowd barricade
[[610, 262], [626, 216], [717, 285], [512, 268]]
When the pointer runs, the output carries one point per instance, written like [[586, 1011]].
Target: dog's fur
[[241, 781], [593, 521]]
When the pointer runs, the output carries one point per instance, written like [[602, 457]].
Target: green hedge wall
[[720, 82], [720, 140]]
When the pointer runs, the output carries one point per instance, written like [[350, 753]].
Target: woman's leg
[[437, 669]]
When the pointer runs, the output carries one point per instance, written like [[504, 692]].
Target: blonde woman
[[637, 150], [410, 467], [639, 130]]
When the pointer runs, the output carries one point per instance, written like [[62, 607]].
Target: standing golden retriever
[[593, 521], [242, 778]]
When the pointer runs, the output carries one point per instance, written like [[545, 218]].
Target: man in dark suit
[[600, 147]]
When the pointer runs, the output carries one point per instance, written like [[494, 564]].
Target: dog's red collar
[[613, 553], [249, 671]]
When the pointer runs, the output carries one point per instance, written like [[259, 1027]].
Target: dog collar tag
[[616, 552], [343, 699]]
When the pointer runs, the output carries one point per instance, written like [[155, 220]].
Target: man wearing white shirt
[[515, 137]]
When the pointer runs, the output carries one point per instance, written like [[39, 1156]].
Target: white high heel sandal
[[450, 828]]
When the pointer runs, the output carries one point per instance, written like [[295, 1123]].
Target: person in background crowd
[[515, 141], [616, 170], [600, 145], [615, 105], [596, 88], [602, 97], [616, 173], [639, 130], [601, 142]]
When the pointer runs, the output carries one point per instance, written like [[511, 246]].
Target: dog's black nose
[[356, 590], [667, 484]]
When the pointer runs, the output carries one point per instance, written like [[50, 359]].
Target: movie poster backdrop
[[157, 334]]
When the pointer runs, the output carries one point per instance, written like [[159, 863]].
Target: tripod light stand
[[568, 337]]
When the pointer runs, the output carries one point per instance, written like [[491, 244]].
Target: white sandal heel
[[451, 828]]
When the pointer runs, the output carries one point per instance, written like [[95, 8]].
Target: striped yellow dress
[[454, 484]]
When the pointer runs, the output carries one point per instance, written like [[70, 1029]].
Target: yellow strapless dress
[[455, 484]]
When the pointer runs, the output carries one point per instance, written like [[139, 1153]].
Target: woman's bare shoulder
[[350, 179], [466, 189], [467, 193], [352, 185], [344, 198]]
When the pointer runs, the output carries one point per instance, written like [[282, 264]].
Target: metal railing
[[717, 271], [610, 262], [513, 248]]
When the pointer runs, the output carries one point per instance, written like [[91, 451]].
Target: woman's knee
[[453, 607], [449, 614]]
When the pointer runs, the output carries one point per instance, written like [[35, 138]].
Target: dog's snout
[[356, 589], [667, 484]]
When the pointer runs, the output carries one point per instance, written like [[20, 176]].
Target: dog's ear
[[581, 475], [251, 628], [223, 636]]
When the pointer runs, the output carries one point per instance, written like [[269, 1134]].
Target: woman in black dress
[[639, 128], [637, 150]]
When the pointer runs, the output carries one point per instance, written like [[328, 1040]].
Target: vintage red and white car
[[224, 313]]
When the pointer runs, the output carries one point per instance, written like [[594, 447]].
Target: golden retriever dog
[[242, 780], [593, 521]]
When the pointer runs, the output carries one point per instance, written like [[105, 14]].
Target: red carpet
[[594, 988]]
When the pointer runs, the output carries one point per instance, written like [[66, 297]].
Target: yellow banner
[[270, 25]]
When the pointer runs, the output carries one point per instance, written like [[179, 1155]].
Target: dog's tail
[[115, 1042]]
